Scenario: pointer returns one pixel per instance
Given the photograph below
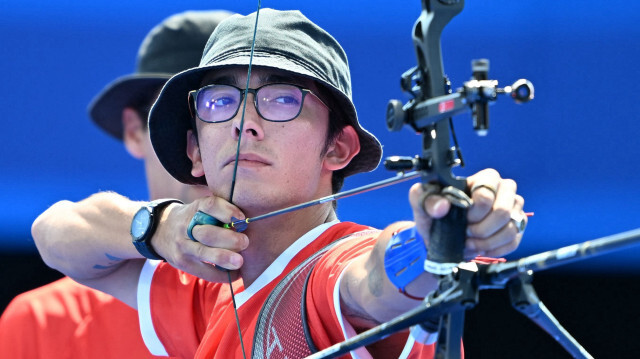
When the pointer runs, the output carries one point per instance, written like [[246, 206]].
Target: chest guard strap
[[282, 330]]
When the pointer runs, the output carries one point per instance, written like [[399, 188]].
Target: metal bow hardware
[[429, 112]]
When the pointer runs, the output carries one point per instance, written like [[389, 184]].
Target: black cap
[[170, 47]]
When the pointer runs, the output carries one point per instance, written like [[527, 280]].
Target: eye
[[219, 97], [286, 99], [220, 102]]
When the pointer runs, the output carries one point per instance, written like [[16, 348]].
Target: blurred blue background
[[573, 150]]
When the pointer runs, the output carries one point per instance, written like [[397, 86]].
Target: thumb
[[426, 206], [436, 206]]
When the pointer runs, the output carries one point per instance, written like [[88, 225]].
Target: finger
[[196, 251], [218, 237], [500, 213], [482, 197], [484, 188], [505, 249], [424, 202], [219, 208], [502, 242], [215, 211]]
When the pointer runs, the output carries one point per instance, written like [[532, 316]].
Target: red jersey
[[191, 318], [65, 319]]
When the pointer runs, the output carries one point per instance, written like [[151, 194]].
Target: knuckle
[[238, 242], [181, 262], [481, 245], [503, 215], [509, 184], [482, 200], [182, 245], [208, 204], [489, 172], [520, 201]]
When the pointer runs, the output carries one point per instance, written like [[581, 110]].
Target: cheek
[[210, 141], [307, 143]]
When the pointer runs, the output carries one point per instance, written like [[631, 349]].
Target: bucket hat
[[287, 41], [170, 47]]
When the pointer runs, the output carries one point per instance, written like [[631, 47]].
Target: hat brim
[[170, 117], [106, 108]]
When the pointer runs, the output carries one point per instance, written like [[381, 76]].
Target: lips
[[248, 159]]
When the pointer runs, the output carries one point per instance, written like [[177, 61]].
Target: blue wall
[[572, 150]]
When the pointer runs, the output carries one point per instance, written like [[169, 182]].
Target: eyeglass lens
[[274, 102]]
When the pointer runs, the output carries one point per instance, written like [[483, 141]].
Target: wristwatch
[[144, 225]]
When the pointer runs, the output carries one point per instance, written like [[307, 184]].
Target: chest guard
[[282, 330]]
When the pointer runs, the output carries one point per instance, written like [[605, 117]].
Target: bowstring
[[235, 169]]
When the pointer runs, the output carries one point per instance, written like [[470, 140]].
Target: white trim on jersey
[[147, 329], [347, 329], [277, 267], [349, 332]]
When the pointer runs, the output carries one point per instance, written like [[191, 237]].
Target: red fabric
[[488, 260], [187, 311], [322, 313], [67, 320]]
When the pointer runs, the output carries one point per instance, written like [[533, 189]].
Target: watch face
[[140, 223]]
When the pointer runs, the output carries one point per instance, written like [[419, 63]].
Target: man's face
[[281, 163]]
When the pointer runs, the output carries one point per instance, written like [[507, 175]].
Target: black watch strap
[[155, 209]]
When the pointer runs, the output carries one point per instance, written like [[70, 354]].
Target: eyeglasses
[[278, 102]]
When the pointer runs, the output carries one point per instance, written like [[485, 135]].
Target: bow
[[429, 113]]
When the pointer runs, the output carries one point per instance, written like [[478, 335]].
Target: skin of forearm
[[368, 297], [88, 239]]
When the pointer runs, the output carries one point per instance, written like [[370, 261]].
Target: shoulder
[[62, 297]]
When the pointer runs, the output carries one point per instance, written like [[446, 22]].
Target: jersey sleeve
[[327, 324], [173, 308]]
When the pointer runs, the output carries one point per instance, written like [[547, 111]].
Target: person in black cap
[[291, 137], [65, 319]]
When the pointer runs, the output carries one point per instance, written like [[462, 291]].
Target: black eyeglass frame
[[193, 95]]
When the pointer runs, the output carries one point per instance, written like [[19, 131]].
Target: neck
[[270, 237]]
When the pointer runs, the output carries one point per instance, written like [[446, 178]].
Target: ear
[[193, 152], [133, 133], [345, 146]]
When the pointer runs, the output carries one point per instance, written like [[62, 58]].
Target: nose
[[252, 126]]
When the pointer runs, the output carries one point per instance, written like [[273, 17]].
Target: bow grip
[[447, 234]]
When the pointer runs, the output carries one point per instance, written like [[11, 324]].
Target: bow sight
[[475, 95]]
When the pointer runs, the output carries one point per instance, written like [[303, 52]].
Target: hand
[[490, 230], [215, 245]]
